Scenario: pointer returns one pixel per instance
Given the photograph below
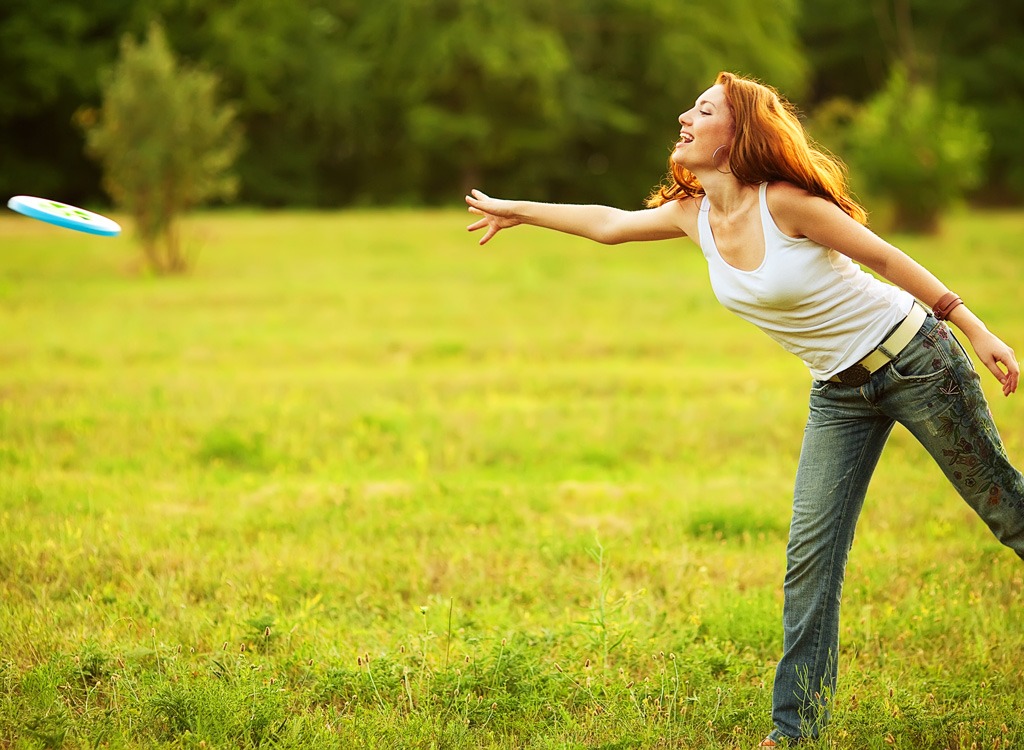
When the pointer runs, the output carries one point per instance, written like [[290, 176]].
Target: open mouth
[[685, 137]]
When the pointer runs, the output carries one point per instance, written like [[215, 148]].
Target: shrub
[[164, 141], [918, 152]]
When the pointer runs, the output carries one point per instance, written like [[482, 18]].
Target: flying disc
[[63, 215]]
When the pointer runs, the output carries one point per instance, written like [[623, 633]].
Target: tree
[[541, 98], [917, 152], [479, 91], [301, 77], [49, 54], [164, 141], [638, 63], [965, 51]]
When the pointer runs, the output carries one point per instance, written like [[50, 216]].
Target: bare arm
[[800, 214], [604, 224]]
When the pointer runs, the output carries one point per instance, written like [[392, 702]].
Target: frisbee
[[63, 215]]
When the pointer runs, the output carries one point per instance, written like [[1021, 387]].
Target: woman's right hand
[[497, 214]]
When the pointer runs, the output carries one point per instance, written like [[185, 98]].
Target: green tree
[[347, 101], [472, 86], [965, 51], [301, 76], [49, 55], [916, 151], [545, 98], [165, 143], [638, 63]]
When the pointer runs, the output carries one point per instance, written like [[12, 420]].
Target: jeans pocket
[[928, 379], [920, 362], [818, 387]]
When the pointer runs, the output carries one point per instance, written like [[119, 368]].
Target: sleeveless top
[[816, 302]]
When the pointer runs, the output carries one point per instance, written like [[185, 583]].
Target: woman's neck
[[726, 194]]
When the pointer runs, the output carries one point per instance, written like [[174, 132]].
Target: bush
[[916, 151], [164, 142]]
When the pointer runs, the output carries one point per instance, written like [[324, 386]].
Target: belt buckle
[[855, 376]]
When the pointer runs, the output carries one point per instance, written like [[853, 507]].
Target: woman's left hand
[[993, 352]]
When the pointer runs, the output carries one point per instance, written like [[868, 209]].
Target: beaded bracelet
[[946, 304]]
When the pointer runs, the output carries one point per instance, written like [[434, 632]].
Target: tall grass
[[360, 483]]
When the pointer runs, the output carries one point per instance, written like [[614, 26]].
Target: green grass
[[357, 482]]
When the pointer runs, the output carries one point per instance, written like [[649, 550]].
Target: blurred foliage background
[[410, 102]]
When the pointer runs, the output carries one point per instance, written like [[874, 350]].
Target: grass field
[[357, 482]]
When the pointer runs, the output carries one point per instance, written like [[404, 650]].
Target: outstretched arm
[[800, 214], [604, 224]]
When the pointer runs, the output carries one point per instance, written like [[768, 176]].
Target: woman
[[785, 243]]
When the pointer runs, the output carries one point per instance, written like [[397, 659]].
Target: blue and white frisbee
[[63, 215]]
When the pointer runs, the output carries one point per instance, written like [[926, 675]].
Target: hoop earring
[[715, 165]]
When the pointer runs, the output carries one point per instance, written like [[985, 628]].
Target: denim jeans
[[933, 390]]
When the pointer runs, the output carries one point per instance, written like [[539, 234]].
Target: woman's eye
[[707, 114]]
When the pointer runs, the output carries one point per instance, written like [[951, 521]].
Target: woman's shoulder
[[686, 210], [782, 192], [791, 205], [787, 195]]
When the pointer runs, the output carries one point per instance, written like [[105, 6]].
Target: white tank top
[[817, 303]]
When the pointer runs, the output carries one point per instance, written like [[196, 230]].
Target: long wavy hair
[[769, 144]]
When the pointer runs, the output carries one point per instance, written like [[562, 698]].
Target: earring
[[713, 156]]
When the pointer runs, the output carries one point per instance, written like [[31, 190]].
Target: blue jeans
[[933, 390]]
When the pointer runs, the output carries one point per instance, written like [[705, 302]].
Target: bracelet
[[946, 304]]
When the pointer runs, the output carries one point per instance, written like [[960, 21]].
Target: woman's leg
[[843, 440], [935, 392]]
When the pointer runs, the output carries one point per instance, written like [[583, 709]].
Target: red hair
[[769, 144]]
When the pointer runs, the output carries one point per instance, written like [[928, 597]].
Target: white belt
[[860, 373]]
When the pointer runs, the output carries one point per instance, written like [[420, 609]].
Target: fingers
[[475, 197], [483, 205], [472, 200], [490, 233], [484, 222], [492, 229], [486, 204], [1010, 377], [1009, 361]]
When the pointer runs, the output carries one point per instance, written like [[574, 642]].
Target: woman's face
[[703, 129]]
